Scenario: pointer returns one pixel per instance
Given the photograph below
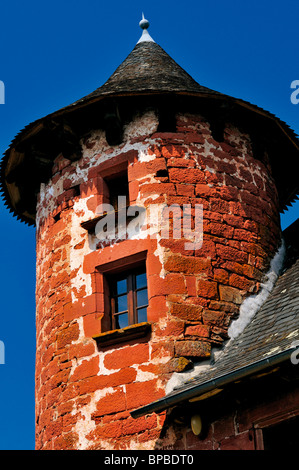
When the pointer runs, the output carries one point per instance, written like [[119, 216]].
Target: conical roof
[[148, 70]]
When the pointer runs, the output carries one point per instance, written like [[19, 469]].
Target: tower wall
[[87, 386]]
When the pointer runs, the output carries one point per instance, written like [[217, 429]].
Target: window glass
[[142, 298], [121, 321], [121, 286], [142, 315], [121, 303], [129, 298], [141, 280]]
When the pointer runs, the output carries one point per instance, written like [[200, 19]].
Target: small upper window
[[118, 187], [129, 299]]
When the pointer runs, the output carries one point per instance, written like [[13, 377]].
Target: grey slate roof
[[148, 68], [270, 336]]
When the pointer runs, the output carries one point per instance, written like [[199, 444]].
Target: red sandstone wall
[[84, 394]]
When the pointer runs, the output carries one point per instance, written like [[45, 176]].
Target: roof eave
[[197, 390]]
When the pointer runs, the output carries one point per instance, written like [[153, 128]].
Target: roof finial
[[144, 24]]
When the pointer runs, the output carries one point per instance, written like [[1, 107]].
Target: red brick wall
[[84, 394]]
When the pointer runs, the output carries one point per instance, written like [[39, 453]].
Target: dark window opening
[[76, 190], [167, 121], [118, 187], [56, 217], [113, 128], [128, 297], [162, 174], [284, 435], [217, 130], [258, 149]]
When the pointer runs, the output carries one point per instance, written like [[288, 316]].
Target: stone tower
[[117, 315]]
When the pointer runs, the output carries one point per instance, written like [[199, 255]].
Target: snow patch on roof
[[252, 304]]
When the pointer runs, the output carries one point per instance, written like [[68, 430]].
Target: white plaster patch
[[99, 146], [143, 125], [145, 157], [102, 369], [160, 252], [143, 376], [85, 425], [77, 255], [210, 170], [178, 378], [81, 330]]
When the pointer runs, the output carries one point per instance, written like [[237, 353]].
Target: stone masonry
[[84, 390]]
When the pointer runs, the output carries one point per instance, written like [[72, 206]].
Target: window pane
[[142, 316], [121, 321], [121, 304], [141, 280], [121, 286], [142, 297]]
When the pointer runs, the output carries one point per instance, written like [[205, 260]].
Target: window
[[118, 187], [113, 218], [283, 435], [128, 297]]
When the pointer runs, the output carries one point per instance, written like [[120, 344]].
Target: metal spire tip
[[144, 24]]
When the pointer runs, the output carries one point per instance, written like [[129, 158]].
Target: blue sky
[[52, 53]]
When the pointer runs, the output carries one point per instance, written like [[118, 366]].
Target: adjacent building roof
[[148, 70], [269, 339]]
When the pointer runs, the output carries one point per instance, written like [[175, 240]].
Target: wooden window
[[129, 299]]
